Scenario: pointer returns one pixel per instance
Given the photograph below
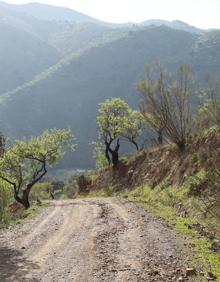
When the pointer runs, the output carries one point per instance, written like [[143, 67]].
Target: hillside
[[67, 30], [65, 35], [47, 12], [181, 188], [179, 25], [22, 56], [69, 37], [61, 14], [61, 70], [69, 94], [43, 34], [40, 43]]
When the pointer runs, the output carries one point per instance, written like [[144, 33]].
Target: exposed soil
[[165, 164], [107, 239]]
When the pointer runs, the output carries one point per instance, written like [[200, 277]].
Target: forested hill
[[69, 94]]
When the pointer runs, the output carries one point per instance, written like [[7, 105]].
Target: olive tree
[[26, 162], [166, 103], [117, 121], [132, 127]]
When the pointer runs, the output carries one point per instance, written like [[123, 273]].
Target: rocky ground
[[104, 239]]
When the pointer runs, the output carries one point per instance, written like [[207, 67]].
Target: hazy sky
[[201, 13]]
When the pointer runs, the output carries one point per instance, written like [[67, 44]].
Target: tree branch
[[38, 175]]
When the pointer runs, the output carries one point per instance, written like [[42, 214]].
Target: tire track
[[92, 240], [38, 228]]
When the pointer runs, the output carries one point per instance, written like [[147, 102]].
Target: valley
[[109, 143], [92, 61]]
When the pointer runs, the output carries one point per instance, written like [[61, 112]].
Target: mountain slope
[[22, 56], [48, 12], [69, 95], [64, 36], [30, 45], [173, 24]]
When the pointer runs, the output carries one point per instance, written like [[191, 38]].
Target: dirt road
[[92, 240]]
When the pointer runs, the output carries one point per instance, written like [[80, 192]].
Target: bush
[[212, 194], [84, 183], [71, 188], [196, 183], [41, 191], [5, 197], [99, 156]]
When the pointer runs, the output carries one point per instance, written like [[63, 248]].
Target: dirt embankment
[[164, 164], [92, 240]]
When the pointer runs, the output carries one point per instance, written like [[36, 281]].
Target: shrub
[[41, 191], [5, 197]]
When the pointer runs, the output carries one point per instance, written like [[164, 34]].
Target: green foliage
[[107, 191], [24, 156], [5, 198], [71, 188], [41, 191], [25, 163], [113, 117], [133, 126], [194, 182], [206, 133], [98, 155], [165, 203], [25, 215], [208, 114], [116, 121]]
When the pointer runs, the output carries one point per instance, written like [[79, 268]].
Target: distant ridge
[[177, 24], [54, 73], [50, 12]]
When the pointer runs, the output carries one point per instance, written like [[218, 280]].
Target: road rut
[[100, 239]]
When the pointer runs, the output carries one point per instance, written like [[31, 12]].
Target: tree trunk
[[135, 144], [18, 199], [107, 155], [25, 199], [160, 138], [114, 154], [115, 158]]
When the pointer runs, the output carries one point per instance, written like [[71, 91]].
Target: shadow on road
[[14, 266]]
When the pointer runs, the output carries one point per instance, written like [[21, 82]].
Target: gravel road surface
[[100, 239]]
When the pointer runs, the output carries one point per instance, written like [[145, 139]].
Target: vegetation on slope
[[73, 90], [178, 183], [181, 188], [23, 59]]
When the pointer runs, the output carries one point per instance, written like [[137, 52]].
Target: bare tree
[[166, 104]]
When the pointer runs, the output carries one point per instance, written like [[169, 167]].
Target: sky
[[200, 13]]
